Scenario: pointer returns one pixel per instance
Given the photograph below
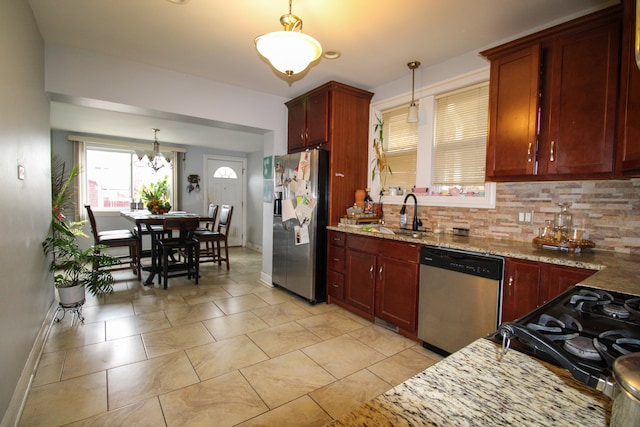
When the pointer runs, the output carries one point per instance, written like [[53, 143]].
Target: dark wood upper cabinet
[[628, 153], [553, 102]]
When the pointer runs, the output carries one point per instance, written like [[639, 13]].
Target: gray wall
[[26, 290]]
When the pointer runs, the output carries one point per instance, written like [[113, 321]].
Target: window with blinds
[[459, 151], [401, 145]]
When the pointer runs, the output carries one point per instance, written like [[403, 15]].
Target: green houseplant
[[72, 266], [156, 196], [379, 164]]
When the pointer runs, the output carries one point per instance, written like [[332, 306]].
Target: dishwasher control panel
[[476, 264]]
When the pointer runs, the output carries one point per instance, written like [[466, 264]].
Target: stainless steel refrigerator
[[299, 224]]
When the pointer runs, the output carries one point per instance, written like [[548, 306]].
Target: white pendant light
[[289, 51], [412, 116]]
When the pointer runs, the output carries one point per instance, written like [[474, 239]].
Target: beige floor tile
[[281, 313], [234, 324], [104, 312], [63, 337], [63, 402], [49, 368], [101, 356], [143, 414], [138, 324], [240, 304], [402, 366], [343, 355], [430, 354], [316, 308], [238, 289], [301, 412], [193, 313], [221, 401], [383, 340], [206, 295], [343, 396], [286, 378], [283, 338], [212, 360], [178, 338], [273, 296], [330, 324], [142, 380], [150, 304]]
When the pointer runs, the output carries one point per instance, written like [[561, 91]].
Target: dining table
[[142, 218]]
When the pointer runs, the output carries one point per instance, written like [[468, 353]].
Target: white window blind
[[461, 137], [401, 144]]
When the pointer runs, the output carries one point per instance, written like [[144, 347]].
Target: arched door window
[[225, 172]]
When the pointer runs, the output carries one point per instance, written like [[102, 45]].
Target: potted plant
[[156, 197], [379, 163], [75, 269]]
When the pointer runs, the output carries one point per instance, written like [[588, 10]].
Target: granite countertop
[[617, 272], [472, 388]]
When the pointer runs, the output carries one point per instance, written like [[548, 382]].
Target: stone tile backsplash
[[609, 210]]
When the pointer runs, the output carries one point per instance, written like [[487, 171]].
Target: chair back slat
[[224, 224], [212, 215], [92, 221]]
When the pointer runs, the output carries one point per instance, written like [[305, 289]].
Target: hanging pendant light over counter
[[412, 117], [289, 51]]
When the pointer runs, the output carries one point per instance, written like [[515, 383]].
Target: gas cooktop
[[583, 329]]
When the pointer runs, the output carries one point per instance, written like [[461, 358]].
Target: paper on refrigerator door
[[304, 209], [302, 234], [304, 166], [288, 211]]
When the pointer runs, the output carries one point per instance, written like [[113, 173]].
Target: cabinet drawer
[[336, 238], [335, 284], [364, 244], [409, 252], [335, 259]]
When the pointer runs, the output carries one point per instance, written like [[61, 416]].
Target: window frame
[[83, 143], [426, 100]]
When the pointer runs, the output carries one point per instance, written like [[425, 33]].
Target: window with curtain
[[112, 176], [459, 147], [400, 145]]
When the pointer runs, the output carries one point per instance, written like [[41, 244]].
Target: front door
[[225, 183]]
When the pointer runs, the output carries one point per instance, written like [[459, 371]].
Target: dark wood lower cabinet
[[529, 284]]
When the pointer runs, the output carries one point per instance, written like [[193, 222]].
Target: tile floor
[[230, 351]]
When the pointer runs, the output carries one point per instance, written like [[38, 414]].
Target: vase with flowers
[[379, 164], [156, 197]]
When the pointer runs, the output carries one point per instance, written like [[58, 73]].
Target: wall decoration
[[194, 183], [267, 167]]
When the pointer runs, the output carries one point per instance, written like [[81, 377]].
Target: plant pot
[[72, 296]]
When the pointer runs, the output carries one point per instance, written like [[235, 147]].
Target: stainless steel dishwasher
[[459, 297]]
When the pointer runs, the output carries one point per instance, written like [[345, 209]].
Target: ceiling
[[213, 39]]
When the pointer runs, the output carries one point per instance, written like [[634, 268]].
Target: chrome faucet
[[416, 222]]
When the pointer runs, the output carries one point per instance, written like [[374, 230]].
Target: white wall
[[26, 287]]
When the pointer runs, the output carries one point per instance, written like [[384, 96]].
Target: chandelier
[[155, 159], [289, 51]]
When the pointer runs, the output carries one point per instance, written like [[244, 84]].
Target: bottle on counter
[[368, 202]]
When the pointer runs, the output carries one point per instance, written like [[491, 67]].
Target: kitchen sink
[[410, 233]]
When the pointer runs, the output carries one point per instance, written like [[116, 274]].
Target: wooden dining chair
[[180, 255], [216, 238], [212, 215], [114, 239]]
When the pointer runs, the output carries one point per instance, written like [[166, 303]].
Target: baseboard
[[16, 405], [254, 246], [266, 279]]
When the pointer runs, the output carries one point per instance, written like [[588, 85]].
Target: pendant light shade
[[289, 51], [412, 116], [155, 159]]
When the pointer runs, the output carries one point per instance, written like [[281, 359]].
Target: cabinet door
[[296, 126], [513, 112], [360, 287], [318, 119], [397, 292], [520, 288], [335, 285], [583, 82], [557, 279], [629, 123]]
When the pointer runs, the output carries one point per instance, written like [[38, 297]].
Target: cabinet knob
[[510, 284], [551, 156], [380, 273], [529, 153], [371, 271], [336, 259]]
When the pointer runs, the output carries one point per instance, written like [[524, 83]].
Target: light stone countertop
[[617, 272], [472, 388]]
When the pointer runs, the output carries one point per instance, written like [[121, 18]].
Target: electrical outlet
[[525, 217]]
